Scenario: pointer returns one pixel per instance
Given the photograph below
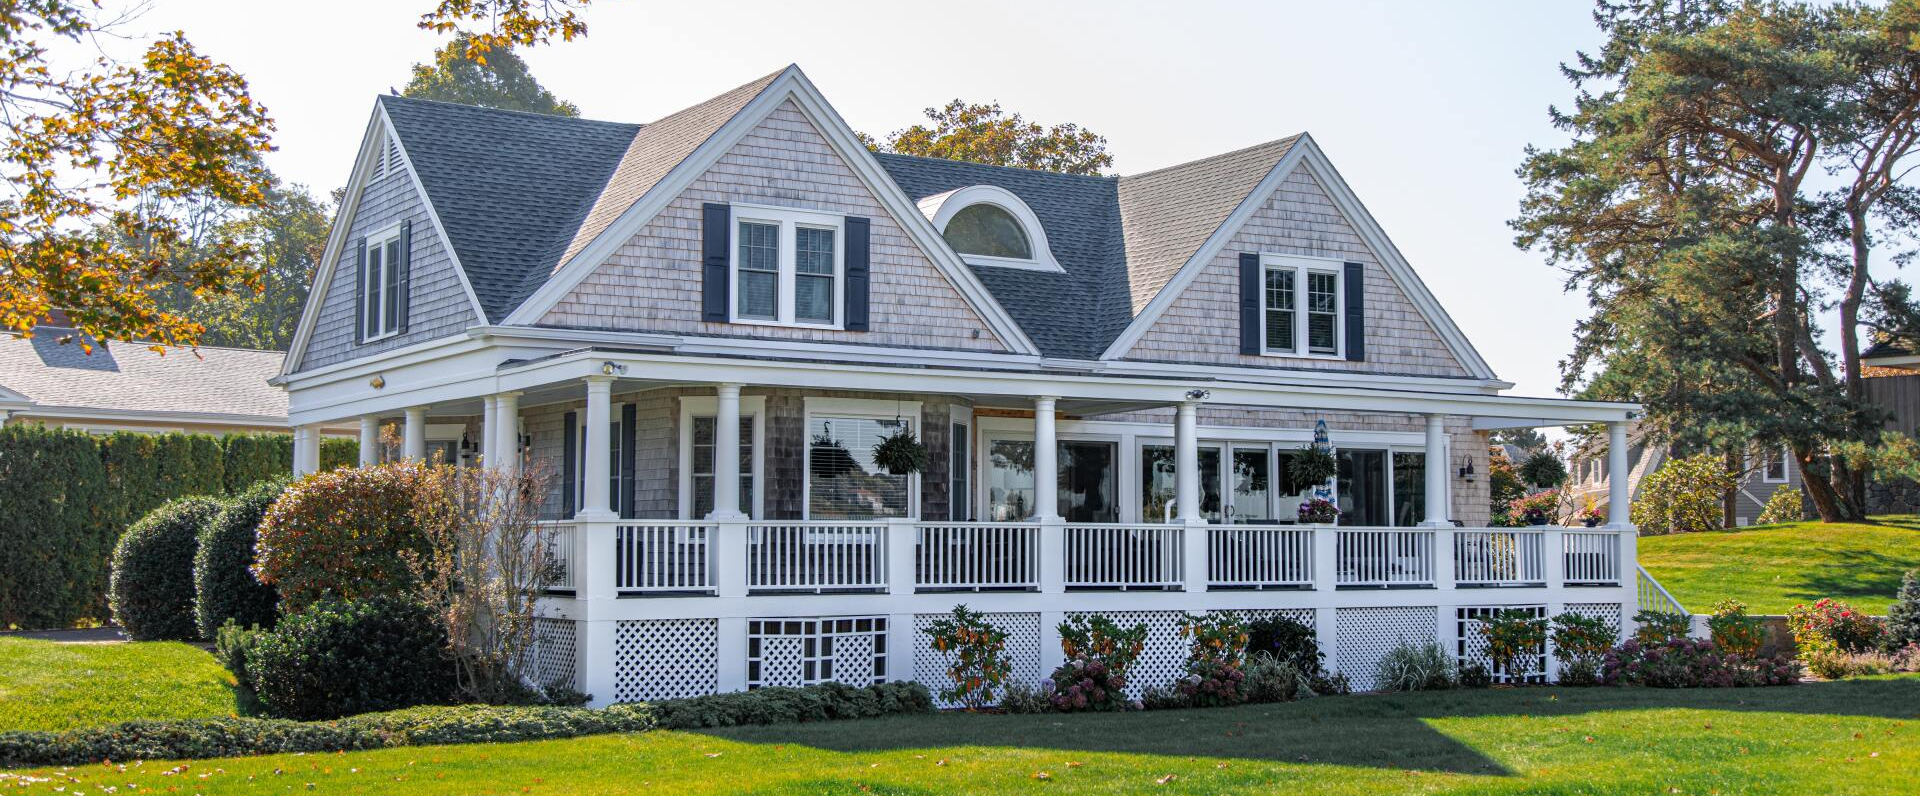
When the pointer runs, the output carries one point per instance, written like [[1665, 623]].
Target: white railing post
[[1326, 558], [903, 537], [1194, 567], [1446, 545], [1053, 563], [731, 671], [727, 550], [591, 568], [1553, 556]]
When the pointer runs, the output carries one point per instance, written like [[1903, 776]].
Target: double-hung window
[[380, 277], [787, 266], [1775, 467], [1301, 306]]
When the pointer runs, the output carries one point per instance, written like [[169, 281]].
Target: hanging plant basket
[[1313, 465], [901, 453]]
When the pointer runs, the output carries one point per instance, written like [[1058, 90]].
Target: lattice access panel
[[1365, 635], [806, 651], [1605, 612], [1471, 644], [665, 659], [554, 658], [1164, 658], [1022, 650]]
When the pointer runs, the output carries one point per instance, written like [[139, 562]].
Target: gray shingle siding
[[439, 306]]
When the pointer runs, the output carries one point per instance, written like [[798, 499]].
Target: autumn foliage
[[976, 656], [343, 534]]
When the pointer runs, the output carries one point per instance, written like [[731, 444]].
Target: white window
[[381, 283], [1301, 307], [697, 459], [989, 225], [843, 482], [1774, 470], [787, 266]]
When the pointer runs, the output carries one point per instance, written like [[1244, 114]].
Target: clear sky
[[1424, 107]]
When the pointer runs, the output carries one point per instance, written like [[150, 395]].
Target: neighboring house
[[130, 387], [1893, 383], [1761, 475], [702, 326]]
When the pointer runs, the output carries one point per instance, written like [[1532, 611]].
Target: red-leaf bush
[[1693, 663], [1833, 626], [341, 534]]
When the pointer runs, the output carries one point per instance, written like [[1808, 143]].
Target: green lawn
[[1856, 737], [49, 686], [1774, 567]]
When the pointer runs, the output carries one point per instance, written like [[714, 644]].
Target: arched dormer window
[[990, 226]]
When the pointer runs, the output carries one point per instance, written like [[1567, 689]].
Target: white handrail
[[1652, 596], [1121, 556], [817, 556], [1252, 556], [976, 555]]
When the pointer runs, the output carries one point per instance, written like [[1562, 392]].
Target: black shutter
[[360, 286], [406, 274], [569, 464], [1250, 304], [629, 417], [1355, 289], [716, 227], [859, 233]]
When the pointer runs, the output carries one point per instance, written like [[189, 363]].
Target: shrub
[[780, 705], [340, 658], [1538, 508], [1021, 698], [1288, 641], [1215, 657], [338, 453], [1683, 495], [152, 587], [976, 656], [248, 459], [1580, 644], [224, 588], [342, 535], [1833, 626], [1474, 675], [1692, 663], [1098, 652], [1834, 665], [1513, 636], [1417, 667], [1270, 679], [56, 533], [1734, 631], [231, 646], [1659, 627], [1786, 504], [1903, 617]]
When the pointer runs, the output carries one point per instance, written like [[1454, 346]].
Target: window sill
[[376, 339], [1335, 357], [784, 325]]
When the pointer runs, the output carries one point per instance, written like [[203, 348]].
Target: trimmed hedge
[[152, 587], [422, 726], [224, 588], [340, 658], [66, 496], [341, 535]]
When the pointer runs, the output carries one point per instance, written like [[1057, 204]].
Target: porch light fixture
[[1466, 471], [378, 381], [610, 367], [1198, 395], [468, 448]]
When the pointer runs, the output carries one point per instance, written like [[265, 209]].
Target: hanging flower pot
[[901, 453], [1313, 465]]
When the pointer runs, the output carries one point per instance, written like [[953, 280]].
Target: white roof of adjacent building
[[211, 384]]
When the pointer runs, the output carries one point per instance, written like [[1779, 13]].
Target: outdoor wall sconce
[[378, 381], [1466, 472], [1198, 395], [468, 448], [610, 367]]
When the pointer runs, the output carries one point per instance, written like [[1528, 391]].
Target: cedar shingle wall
[[653, 282], [439, 307], [1299, 219]]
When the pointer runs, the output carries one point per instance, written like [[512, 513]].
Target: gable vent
[[388, 161], [393, 158]]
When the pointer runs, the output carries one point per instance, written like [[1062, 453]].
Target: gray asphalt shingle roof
[[128, 377], [520, 194]]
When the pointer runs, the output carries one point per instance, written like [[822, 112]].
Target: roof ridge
[[1196, 161], [143, 344], [505, 111], [1021, 169]]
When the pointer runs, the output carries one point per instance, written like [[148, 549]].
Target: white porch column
[[506, 438], [369, 440], [1436, 467], [489, 424], [1186, 463], [726, 454], [306, 450], [414, 436], [596, 505], [1046, 463], [1619, 492]]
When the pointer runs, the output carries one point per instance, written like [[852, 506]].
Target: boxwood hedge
[[152, 587]]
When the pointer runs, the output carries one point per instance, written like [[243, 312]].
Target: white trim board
[[793, 85], [1306, 152]]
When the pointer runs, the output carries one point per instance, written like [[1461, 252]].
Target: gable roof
[[222, 383], [1166, 214]]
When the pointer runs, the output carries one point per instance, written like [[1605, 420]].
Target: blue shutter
[[360, 291], [569, 464], [716, 228], [629, 418], [406, 273], [859, 235], [1354, 288], [1250, 304]]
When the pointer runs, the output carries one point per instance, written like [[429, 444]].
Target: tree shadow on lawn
[[1849, 575], [1377, 731]]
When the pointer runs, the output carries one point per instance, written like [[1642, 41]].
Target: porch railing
[[1499, 558], [962, 556], [662, 556], [1123, 557], [1591, 557], [1259, 557], [1651, 596], [561, 538], [1376, 557], [817, 556]]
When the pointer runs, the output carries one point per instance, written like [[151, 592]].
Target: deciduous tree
[[987, 134], [500, 80]]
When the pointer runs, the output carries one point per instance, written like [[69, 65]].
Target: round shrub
[[339, 658], [152, 587], [341, 535], [224, 588]]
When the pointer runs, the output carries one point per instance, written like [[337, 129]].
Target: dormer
[[990, 226]]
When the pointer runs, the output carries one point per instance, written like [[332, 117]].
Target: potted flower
[[1590, 516], [1319, 511], [1313, 465], [901, 453], [1538, 508]]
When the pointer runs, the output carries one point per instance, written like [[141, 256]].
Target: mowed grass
[[50, 686], [1775, 567], [1853, 737]]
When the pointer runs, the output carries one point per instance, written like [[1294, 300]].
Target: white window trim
[[873, 408], [788, 220], [377, 308], [942, 207], [1786, 469], [1301, 266], [692, 406]]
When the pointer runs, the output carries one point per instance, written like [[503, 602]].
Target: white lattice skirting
[[1365, 635], [1471, 644], [554, 657], [1022, 650], [665, 659]]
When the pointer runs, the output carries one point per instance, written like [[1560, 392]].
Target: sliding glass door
[[1088, 480]]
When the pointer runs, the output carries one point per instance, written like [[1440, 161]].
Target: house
[[1761, 474], [51, 379], [1893, 383], [704, 325]]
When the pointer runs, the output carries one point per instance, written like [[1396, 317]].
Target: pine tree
[[1903, 617]]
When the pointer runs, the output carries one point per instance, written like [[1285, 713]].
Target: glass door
[[1157, 483], [1249, 482]]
